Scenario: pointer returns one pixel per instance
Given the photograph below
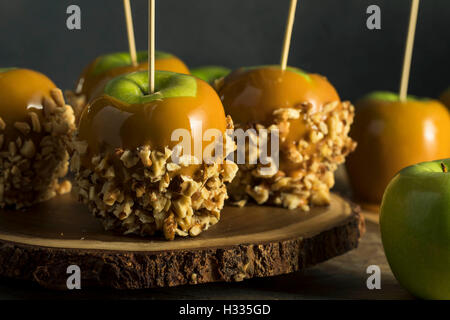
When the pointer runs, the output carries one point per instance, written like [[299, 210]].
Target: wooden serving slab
[[254, 241]]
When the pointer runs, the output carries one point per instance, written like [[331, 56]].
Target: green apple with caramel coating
[[163, 60], [127, 116], [415, 228], [133, 88], [127, 155], [210, 73], [108, 66], [391, 135], [6, 69]]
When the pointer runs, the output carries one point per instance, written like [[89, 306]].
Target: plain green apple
[[121, 59], [132, 88], [210, 73], [415, 228]]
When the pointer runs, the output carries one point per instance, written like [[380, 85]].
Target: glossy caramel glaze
[[92, 85], [108, 123], [391, 136], [21, 92], [252, 95], [170, 64]]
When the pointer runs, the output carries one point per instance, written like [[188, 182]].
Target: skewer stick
[[130, 31], [408, 50], [151, 46], [288, 34]]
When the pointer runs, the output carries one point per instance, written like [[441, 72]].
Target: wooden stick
[[130, 31], [288, 34], [151, 46], [408, 50]]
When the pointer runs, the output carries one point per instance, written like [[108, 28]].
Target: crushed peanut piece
[[315, 157]]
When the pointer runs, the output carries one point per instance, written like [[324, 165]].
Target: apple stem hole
[[444, 167]]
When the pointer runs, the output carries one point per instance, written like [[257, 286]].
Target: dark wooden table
[[343, 277]]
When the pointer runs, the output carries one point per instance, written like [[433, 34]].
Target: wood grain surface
[[254, 241], [342, 277]]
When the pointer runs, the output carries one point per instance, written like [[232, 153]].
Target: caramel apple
[[313, 125], [124, 163], [35, 125], [96, 75], [392, 135]]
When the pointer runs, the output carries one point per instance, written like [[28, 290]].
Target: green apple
[[415, 228], [210, 73], [391, 97], [132, 88], [122, 59], [292, 69], [6, 69]]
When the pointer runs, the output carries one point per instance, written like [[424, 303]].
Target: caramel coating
[[35, 128], [253, 95], [93, 85], [392, 135], [110, 123], [21, 92]]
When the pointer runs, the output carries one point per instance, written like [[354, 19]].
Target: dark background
[[330, 37]]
